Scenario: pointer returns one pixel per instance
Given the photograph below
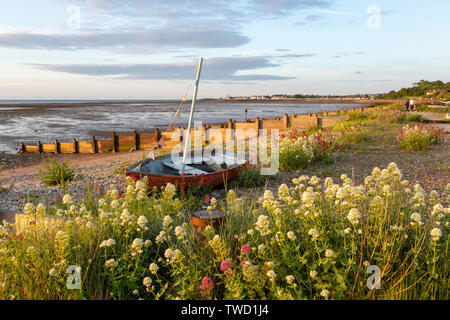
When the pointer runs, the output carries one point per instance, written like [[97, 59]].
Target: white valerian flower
[[347, 230], [436, 233], [67, 199], [114, 204], [29, 209], [135, 292], [314, 234], [271, 275], [161, 237], [262, 225], [111, 263], [268, 195], [313, 273], [416, 219], [153, 268], [329, 253], [52, 272], [107, 243], [169, 191], [147, 281], [290, 279], [136, 246], [40, 209], [167, 221], [325, 293], [353, 216], [148, 243], [291, 235], [180, 233], [142, 222]]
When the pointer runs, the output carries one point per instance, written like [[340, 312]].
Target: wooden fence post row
[[134, 141]]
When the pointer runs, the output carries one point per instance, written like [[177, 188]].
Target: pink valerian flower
[[207, 286], [225, 266], [243, 263], [59, 197], [31, 223], [245, 249]]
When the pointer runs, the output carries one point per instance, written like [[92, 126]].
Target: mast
[[186, 144]]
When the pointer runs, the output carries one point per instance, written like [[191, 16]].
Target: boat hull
[[157, 177]]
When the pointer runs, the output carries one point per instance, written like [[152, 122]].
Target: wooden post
[[22, 148], [230, 123], [319, 122], [114, 142], [75, 146], [39, 147], [136, 140], [57, 147], [285, 121], [257, 126], [94, 145]]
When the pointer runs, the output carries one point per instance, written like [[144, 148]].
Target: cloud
[[313, 18], [215, 69], [295, 55], [153, 40], [341, 55]]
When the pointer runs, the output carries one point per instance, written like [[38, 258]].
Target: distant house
[[430, 92]]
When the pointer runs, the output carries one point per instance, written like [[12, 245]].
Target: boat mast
[[188, 138]]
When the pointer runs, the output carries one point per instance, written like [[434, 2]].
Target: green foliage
[[313, 240], [54, 173], [420, 89], [417, 138], [410, 117], [251, 177]]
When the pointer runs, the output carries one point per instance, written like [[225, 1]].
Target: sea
[[30, 121]]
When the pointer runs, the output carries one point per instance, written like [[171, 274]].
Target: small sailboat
[[210, 171]]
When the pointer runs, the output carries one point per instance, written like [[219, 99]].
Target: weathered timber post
[[114, 142], [257, 126], [157, 137], [136, 140], [94, 145], [230, 123], [39, 147], [57, 147], [75, 146], [285, 121], [22, 148], [319, 122]]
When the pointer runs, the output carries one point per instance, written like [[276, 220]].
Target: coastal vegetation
[[339, 212], [430, 89]]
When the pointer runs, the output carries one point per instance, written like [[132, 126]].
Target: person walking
[[407, 105], [411, 105]]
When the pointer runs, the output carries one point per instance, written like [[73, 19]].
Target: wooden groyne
[[143, 141]]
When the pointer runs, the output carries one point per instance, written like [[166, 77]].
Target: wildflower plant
[[313, 239]]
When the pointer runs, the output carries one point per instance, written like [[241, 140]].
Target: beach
[[31, 122]]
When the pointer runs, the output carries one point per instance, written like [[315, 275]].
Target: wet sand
[[45, 122]]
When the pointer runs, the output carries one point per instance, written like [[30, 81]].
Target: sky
[[148, 49]]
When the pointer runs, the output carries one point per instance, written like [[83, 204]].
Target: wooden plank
[[66, 147]]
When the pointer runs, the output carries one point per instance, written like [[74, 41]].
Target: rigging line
[[178, 110]]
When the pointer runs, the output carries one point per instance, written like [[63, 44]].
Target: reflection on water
[[32, 123]]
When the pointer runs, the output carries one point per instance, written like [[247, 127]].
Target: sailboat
[[211, 171]]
